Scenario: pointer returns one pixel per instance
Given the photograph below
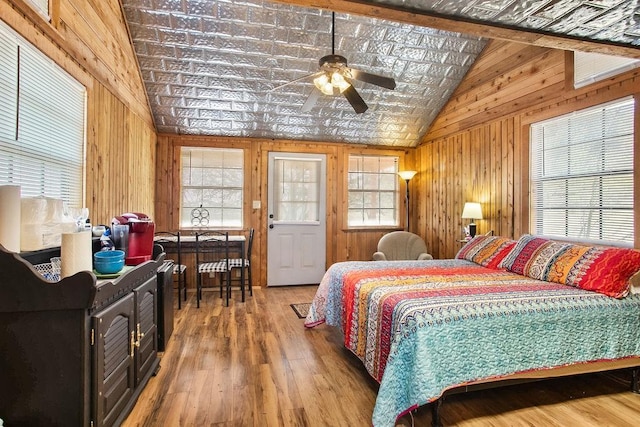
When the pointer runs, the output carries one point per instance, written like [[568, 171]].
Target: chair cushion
[[213, 267], [238, 262], [177, 268]]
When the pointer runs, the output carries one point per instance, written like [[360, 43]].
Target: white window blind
[[373, 191], [41, 6], [8, 86], [212, 187], [592, 67], [43, 119], [582, 174]]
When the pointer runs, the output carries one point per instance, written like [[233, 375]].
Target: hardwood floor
[[254, 364]]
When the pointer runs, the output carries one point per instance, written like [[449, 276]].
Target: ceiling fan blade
[[311, 100], [308, 76], [355, 100], [374, 79]]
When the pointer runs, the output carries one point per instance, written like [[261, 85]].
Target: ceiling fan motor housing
[[334, 61]]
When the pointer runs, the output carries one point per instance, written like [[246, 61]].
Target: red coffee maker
[[141, 232]]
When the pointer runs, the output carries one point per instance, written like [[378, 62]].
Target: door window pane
[[296, 190]]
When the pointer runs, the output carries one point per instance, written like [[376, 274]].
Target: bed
[[501, 310]]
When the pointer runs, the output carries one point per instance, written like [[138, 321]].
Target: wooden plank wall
[[91, 34], [88, 38], [477, 148], [121, 159], [342, 243]]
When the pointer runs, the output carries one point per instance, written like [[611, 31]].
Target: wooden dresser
[[76, 352]]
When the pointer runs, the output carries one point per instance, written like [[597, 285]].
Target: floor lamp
[[407, 175]]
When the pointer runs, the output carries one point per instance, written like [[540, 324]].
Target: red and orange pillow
[[487, 251], [606, 270]]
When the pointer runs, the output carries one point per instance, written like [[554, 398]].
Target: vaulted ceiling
[[216, 67]]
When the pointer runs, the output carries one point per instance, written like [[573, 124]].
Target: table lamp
[[472, 211]]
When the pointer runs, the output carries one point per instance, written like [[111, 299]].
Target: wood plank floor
[[254, 364]]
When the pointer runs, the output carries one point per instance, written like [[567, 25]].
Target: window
[[297, 195], [593, 67], [373, 191], [42, 121], [582, 174], [212, 184], [42, 6]]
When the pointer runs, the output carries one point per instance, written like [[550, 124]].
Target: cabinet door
[[146, 296], [113, 349]]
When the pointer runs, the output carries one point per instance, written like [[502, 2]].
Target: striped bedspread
[[422, 327]]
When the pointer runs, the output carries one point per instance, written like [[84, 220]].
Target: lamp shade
[[472, 210], [407, 175]]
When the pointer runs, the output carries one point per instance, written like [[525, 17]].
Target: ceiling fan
[[335, 76]]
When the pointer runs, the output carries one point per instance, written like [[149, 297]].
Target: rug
[[301, 309]]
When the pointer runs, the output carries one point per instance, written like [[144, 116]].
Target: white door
[[296, 241]]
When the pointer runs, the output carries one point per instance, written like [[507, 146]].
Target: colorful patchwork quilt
[[423, 327]]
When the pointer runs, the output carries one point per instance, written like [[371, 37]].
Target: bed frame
[[563, 371]]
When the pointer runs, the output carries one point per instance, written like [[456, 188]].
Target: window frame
[[39, 143], [528, 217], [398, 206], [242, 188], [43, 7], [608, 66]]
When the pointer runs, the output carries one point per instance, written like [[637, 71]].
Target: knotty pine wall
[[477, 148], [89, 39], [121, 159], [342, 243]]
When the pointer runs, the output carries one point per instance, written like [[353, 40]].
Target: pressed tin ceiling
[[210, 66], [616, 21]]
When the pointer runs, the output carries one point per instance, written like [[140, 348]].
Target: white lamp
[[472, 211], [407, 175]]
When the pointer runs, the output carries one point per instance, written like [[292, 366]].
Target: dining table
[[188, 245]]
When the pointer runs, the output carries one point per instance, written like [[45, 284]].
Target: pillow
[[488, 251], [522, 253], [599, 269], [605, 270]]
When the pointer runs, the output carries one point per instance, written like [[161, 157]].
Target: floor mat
[[301, 309]]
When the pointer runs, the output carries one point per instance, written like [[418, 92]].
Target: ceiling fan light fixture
[[331, 83], [338, 81], [323, 84]]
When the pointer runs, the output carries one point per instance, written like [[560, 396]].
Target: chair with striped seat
[[212, 257], [171, 241]]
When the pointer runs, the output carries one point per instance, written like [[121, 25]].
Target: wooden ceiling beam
[[442, 22]]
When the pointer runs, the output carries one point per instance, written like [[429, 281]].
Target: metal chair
[[212, 256], [244, 262], [171, 240]]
